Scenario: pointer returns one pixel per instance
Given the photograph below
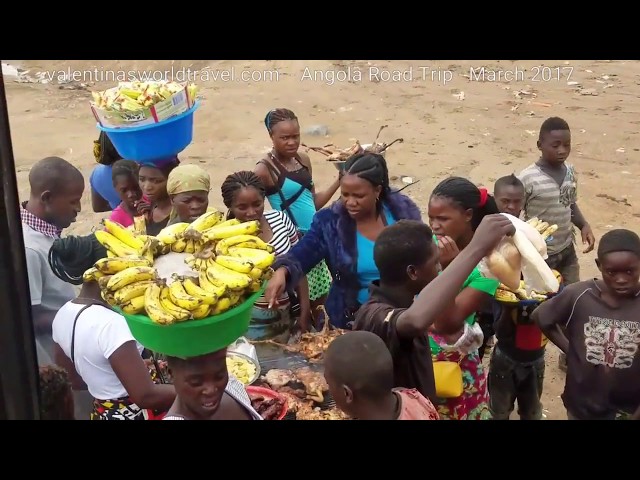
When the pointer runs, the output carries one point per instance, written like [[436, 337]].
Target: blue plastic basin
[[157, 141]]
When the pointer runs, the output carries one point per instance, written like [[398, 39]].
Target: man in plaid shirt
[[54, 202]]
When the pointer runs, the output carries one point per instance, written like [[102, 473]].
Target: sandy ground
[[466, 126]]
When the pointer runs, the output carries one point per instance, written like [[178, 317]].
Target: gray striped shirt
[[550, 202]]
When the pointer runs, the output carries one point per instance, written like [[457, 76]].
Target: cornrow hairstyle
[[237, 181], [619, 240], [123, 168], [55, 389], [371, 167], [278, 115], [551, 124], [466, 195], [104, 151], [71, 256]]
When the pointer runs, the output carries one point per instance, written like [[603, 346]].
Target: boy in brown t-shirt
[[359, 372], [596, 324]]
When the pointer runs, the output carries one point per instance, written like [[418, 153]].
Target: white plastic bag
[[243, 346], [526, 251], [470, 341]]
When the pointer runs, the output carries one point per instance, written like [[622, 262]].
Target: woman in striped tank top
[[288, 179], [243, 194]]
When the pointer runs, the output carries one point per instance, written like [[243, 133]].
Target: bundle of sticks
[[335, 154]]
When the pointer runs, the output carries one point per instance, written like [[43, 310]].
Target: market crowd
[[420, 314]]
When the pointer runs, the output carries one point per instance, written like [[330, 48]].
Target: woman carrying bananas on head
[[243, 193], [95, 341]]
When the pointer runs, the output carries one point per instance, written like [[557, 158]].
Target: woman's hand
[[448, 250], [144, 208], [276, 286]]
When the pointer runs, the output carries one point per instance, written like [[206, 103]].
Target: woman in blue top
[[288, 180], [104, 197], [343, 236]]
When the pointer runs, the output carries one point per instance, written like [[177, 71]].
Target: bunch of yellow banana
[[186, 237], [228, 259], [504, 294], [135, 96], [123, 281], [123, 242], [544, 228]]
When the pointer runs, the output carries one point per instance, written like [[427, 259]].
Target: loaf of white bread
[[523, 254]]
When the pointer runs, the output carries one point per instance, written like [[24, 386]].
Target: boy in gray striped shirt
[[550, 187]]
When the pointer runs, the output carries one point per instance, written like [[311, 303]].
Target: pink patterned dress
[[473, 404]]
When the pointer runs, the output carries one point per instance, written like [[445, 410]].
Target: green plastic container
[[194, 337]]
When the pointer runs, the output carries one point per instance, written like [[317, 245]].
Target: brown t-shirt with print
[[412, 366], [603, 369]]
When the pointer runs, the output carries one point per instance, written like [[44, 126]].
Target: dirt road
[[455, 119]]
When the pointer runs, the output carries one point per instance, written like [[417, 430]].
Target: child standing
[[517, 363], [551, 195], [359, 372], [595, 323], [125, 182]]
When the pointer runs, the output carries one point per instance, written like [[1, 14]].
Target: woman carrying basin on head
[[288, 179]]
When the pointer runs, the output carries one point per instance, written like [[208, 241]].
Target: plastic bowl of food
[[194, 337], [156, 141], [243, 367], [256, 393]]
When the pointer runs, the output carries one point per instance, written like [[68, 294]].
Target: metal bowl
[[251, 361], [339, 165]]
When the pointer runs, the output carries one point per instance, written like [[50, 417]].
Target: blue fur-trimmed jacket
[[332, 238]]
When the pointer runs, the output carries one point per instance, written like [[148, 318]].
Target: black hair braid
[[70, 257], [237, 181], [466, 195], [55, 386], [371, 167], [104, 151], [124, 168], [278, 115]]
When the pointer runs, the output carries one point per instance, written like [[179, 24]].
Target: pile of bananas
[[226, 260], [543, 228], [135, 96], [505, 295]]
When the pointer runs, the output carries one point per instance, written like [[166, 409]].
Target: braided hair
[[104, 151], [371, 167], [55, 390], [466, 195], [237, 181], [278, 115], [71, 256], [124, 168]]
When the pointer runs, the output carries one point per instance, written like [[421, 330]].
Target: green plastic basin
[[194, 337]]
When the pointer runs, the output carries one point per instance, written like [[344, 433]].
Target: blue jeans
[[509, 381]]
